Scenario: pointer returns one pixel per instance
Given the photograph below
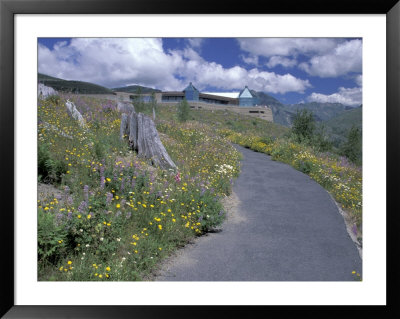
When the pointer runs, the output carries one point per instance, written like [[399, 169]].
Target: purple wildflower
[[69, 200], [109, 198], [86, 192], [354, 229], [66, 192], [128, 215], [82, 207]]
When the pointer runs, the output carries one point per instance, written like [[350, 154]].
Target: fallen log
[[56, 129], [144, 139]]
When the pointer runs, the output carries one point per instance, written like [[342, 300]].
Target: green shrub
[[320, 140], [303, 126], [183, 111], [304, 167], [51, 238], [49, 169], [352, 148]]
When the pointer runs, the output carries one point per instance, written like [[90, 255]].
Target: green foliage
[[338, 127], [55, 99], [304, 167], [183, 111], [99, 149], [117, 212], [50, 170], [303, 126], [51, 238], [352, 148], [320, 140]]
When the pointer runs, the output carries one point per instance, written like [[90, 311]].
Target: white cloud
[[344, 59], [195, 42], [278, 60], [346, 96], [250, 59], [117, 62], [325, 57], [268, 47], [204, 74], [358, 79], [111, 62]]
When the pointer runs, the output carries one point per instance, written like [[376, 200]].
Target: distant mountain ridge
[[135, 89], [283, 113], [339, 126], [337, 119], [78, 87]]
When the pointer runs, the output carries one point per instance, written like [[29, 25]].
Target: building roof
[[217, 97], [190, 87], [232, 95], [246, 93]]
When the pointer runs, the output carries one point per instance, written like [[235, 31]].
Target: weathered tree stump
[[144, 139], [124, 128], [125, 107], [133, 131], [45, 91], [74, 113]]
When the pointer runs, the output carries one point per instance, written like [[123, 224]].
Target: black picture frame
[[8, 8]]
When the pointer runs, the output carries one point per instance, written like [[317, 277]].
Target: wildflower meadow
[[115, 216]]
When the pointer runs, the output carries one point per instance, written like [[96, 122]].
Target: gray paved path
[[286, 228]]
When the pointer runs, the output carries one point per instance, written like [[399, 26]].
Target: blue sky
[[293, 70]]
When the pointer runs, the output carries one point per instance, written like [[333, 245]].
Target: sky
[[293, 70]]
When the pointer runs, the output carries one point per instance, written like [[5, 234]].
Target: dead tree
[[144, 139]]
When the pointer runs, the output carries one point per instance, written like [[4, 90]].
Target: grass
[[118, 217]]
